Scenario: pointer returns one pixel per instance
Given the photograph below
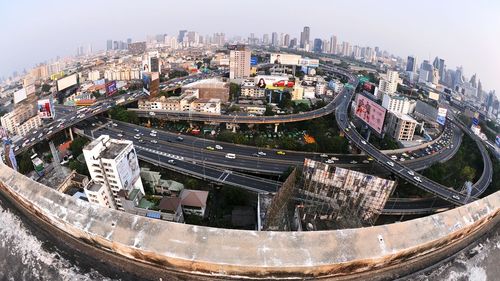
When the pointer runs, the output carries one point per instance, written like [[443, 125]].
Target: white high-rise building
[[114, 168], [333, 45], [239, 63], [389, 83], [398, 104]]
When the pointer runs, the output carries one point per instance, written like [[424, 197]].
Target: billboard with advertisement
[[100, 82], [475, 119], [286, 59], [150, 83], [128, 168], [370, 112], [309, 62], [20, 95], [253, 61], [45, 108], [111, 88], [67, 82], [274, 82], [433, 96], [441, 117], [497, 141]]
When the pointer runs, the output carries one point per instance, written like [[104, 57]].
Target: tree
[[121, 114], [301, 107], [468, 173], [45, 88], [177, 73], [199, 64], [25, 164], [234, 91], [77, 145], [79, 167], [96, 94]]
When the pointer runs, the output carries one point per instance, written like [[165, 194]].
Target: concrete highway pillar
[[70, 133], [55, 155], [190, 125], [276, 127], [234, 128]]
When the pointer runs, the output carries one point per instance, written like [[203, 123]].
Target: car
[[230, 156], [180, 138], [347, 129], [210, 148], [262, 153], [280, 152], [365, 162], [40, 135], [394, 157], [363, 142], [16, 148], [334, 159], [49, 132], [411, 173], [329, 161], [154, 141], [152, 134], [171, 161], [32, 139], [324, 155], [456, 197], [218, 147], [354, 162], [137, 137], [141, 141], [137, 130], [115, 125], [417, 179], [256, 155], [390, 163], [402, 159]]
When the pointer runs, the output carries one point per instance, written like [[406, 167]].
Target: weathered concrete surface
[[223, 252]]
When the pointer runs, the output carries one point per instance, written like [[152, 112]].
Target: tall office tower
[[333, 45], [489, 102], [389, 84], [109, 45], [429, 69], [318, 45], [193, 38], [129, 41], [439, 65], [304, 37], [326, 46], [286, 40], [274, 39], [220, 39], [182, 33], [411, 64], [458, 78], [473, 82], [356, 52], [479, 90], [114, 170], [369, 54], [239, 62], [293, 43], [345, 49], [265, 39]]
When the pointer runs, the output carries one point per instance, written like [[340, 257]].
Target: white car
[[231, 155], [154, 141], [411, 173], [137, 137], [366, 161], [390, 163], [115, 125], [152, 134], [329, 161], [394, 157], [120, 135], [354, 162], [334, 159], [363, 142], [456, 197], [218, 147], [324, 155], [417, 179], [261, 153]]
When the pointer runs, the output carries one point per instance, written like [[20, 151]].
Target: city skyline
[[463, 28]]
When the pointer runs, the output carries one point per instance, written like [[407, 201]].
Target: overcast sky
[[462, 32]]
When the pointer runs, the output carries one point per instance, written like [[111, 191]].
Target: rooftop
[[94, 186], [112, 150]]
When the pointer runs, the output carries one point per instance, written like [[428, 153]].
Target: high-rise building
[[219, 39], [21, 119], [293, 43], [129, 40], [333, 45], [401, 126], [265, 39], [180, 37], [479, 90], [274, 39], [345, 49], [286, 40], [429, 68], [318, 45], [411, 64], [114, 169], [109, 45], [239, 62], [439, 65], [398, 104], [304, 37], [389, 83], [472, 81]]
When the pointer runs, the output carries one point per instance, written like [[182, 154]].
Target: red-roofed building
[[194, 201]]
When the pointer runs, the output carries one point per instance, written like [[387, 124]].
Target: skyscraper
[[286, 40], [345, 49], [473, 81], [333, 45], [439, 65], [265, 39], [411, 64], [109, 45], [182, 33], [304, 36], [318, 45], [274, 39]]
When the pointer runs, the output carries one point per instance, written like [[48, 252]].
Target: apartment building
[[401, 127]]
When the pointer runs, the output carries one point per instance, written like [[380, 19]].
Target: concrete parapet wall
[[237, 253]]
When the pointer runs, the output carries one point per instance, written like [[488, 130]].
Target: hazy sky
[[463, 32]]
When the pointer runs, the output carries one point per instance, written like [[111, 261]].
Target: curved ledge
[[237, 253]]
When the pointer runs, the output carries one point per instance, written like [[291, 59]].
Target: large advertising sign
[[285, 59], [45, 108], [20, 95], [271, 82], [253, 61], [67, 82], [309, 62], [441, 117], [475, 119], [111, 88], [150, 82], [370, 112], [100, 82], [128, 168], [497, 141], [433, 96]]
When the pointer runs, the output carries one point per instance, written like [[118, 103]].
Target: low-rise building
[[249, 90], [194, 202], [210, 89]]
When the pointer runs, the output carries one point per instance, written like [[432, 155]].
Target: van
[[231, 155]]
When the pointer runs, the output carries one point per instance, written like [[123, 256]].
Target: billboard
[[67, 82], [45, 108], [20, 95], [441, 117], [150, 83], [475, 119], [309, 62], [128, 168], [285, 59], [370, 112], [497, 141], [253, 61], [272, 82], [433, 96], [100, 82], [111, 88]]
